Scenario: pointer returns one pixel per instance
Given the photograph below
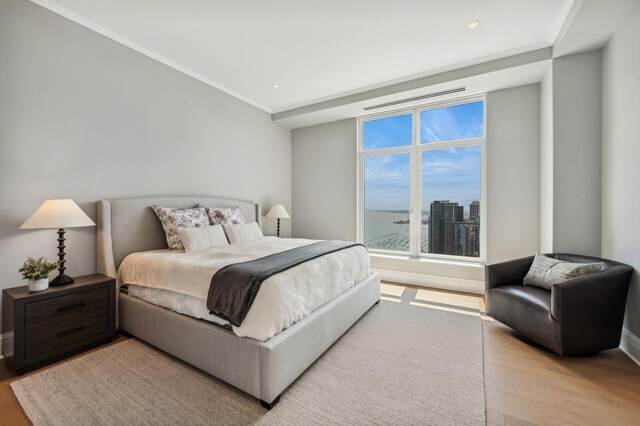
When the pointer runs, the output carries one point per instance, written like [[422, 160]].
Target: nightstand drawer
[[59, 321]]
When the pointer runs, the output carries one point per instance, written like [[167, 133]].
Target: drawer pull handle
[[72, 331], [71, 307]]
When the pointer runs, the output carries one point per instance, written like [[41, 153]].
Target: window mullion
[[459, 143], [386, 151], [415, 188], [412, 183]]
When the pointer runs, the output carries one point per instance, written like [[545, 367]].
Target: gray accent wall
[[621, 161], [577, 134], [324, 181], [86, 118], [546, 162], [513, 173]]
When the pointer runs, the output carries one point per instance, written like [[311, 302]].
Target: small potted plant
[[37, 272]]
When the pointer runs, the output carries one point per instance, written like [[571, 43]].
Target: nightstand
[[40, 327]]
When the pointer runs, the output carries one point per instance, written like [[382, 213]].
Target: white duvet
[[180, 281]]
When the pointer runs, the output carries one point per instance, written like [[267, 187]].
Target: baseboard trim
[[435, 281], [630, 345]]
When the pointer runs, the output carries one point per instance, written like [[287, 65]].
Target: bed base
[[261, 369], [270, 405]]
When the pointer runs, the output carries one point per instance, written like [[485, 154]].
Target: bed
[[263, 369]]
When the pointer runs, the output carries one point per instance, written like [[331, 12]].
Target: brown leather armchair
[[578, 316]]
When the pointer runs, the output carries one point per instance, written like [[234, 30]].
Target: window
[[420, 189], [387, 197]]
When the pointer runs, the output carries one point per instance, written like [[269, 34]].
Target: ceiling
[[317, 50], [473, 85], [591, 23]]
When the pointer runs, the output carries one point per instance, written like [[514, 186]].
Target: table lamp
[[58, 214], [278, 211]]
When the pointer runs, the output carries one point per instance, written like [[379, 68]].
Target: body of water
[[380, 231]]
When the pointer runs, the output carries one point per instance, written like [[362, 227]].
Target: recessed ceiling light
[[276, 86], [474, 23]]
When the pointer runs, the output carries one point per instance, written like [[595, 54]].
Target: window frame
[[415, 151]]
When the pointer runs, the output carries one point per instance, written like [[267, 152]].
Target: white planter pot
[[39, 285]]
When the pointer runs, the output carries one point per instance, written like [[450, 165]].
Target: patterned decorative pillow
[[172, 219], [546, 271], [243, 233], [225, 216]]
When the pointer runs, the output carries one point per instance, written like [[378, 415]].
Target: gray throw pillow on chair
[[546, 271]]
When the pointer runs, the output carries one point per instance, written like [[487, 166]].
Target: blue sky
[[451, 123], [451, 173], [387, 132], [386, 182]]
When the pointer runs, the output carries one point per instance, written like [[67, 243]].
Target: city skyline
[[449, 232], [474, 209]]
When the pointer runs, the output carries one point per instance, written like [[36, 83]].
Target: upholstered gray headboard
[[129, 225]]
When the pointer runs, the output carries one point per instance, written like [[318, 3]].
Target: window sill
[[428, 260], [439, 273]]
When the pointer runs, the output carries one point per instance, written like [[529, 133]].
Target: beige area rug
[[400, 364]]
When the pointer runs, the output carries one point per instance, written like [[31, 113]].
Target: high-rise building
[[436, 233], [467, 238], [450, 233], [474, 210], [442, 216]]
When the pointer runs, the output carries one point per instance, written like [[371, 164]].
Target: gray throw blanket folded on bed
[[234, 287]]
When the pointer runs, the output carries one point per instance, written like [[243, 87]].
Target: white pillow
[[243, 232], [197, 239]]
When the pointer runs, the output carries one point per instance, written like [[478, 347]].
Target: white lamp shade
[[278, 211], [57, 214]]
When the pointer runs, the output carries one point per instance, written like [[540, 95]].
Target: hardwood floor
[[526, 385], [523, 385]]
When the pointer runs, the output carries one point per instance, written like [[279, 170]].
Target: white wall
[[577, 134], [621, 159], [324, 190], [84, 117], [324, 181], [513, 173]]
